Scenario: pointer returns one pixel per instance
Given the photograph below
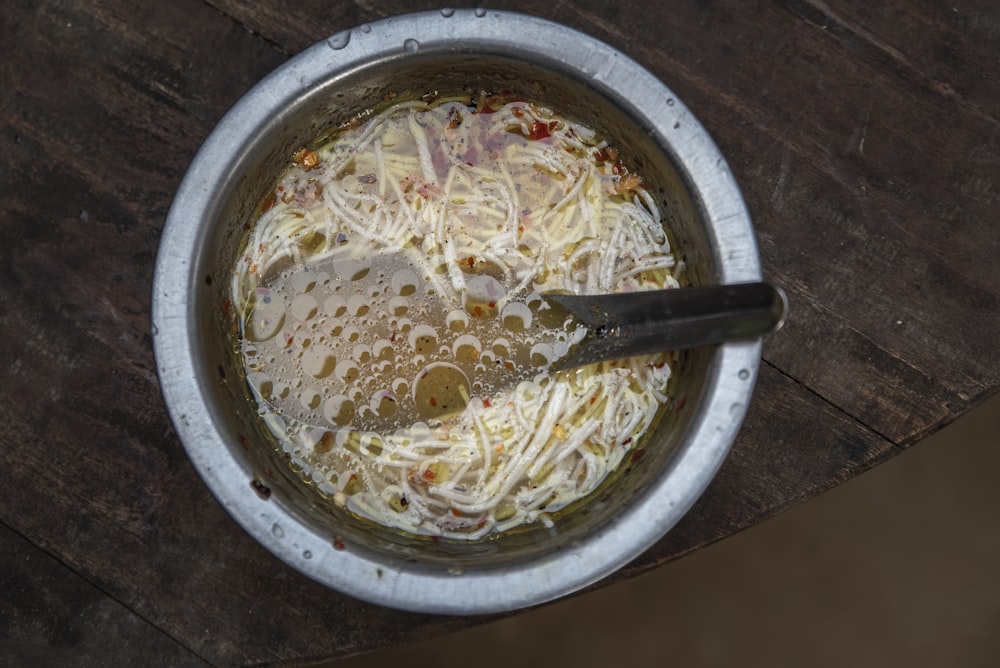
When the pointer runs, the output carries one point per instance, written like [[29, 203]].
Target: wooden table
[[864, 135]]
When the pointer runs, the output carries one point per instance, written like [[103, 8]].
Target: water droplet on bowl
[[365, 28], [307, 555], [480, 12], [411, 45], [277, 531], [744, 374], [339, 41], [447, 12]]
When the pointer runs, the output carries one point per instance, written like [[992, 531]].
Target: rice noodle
[[535, 198]]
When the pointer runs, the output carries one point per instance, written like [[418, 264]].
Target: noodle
[[382, 284]]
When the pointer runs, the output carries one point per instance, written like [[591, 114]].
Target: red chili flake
[[539, 130], [392, 336], [481, 523], [434, 402], [263, 491], [471, 262], [269, 202], [478, 311], [518, 111], [593, 400], [454, 512], [486, 402], [338, 544], [226, 305], [429, 475], [638, 454], [288, 339], [627, 441], [493, 303], [681, 402], [244, 441], [509, 365]]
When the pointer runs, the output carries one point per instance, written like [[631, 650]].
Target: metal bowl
[[331, 82]]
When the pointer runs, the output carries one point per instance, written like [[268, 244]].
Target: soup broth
[[390, 324]]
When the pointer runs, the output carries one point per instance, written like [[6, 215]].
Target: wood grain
[[864, 137], [50, 616]]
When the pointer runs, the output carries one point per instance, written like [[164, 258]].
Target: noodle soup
[[390, 327]]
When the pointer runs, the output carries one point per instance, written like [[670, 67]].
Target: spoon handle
[[642, 323]]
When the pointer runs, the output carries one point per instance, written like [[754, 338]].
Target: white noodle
[[532, 449]]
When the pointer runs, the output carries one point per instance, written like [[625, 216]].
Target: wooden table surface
[[864, 136]]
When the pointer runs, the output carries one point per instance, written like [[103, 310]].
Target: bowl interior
[[243, 159]]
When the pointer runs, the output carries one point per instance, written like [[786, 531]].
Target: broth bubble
[[440, 389]]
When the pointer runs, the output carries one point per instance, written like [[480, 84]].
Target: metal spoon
[[640, 323]]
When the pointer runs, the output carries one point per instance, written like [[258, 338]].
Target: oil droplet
[[303, 281], [310, 400], [542, 354], [399, 305], [411, 45], [457, 321], [447, 12], [268, 316], [338, 410], [382, 350], [262, 383], [335, 306], [277, 531], [351, 333], [440, 389], [501, 347], [340, 40], [357, 305], [404, 282], [318, 363], [516, 317], [423, 339], [347, 371], [304, 307], [384, 404]]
